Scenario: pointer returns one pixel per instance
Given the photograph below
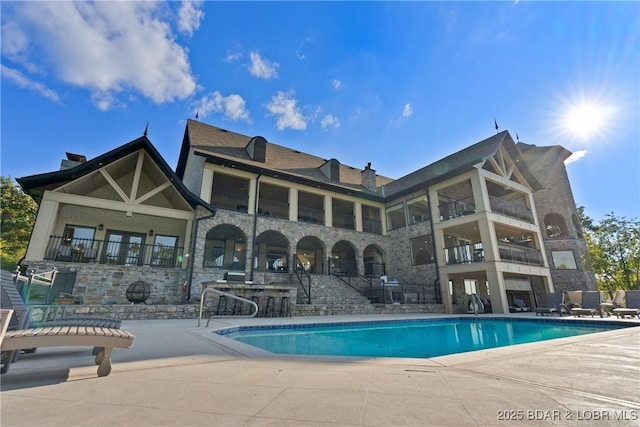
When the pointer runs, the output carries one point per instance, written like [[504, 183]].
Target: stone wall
[[103, 284]]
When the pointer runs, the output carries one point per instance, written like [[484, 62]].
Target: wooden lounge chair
[[102, 339], [590, 304], [555, 304], [632, 308], [26, 334], [42, 315]]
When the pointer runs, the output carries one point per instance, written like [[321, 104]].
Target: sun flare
[[586, 120]]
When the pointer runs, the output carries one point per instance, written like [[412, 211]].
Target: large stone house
[[496, 219]]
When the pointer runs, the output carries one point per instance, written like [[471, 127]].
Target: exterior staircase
[[331, 296]]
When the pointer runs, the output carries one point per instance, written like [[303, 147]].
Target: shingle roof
[[35, 185], [221, 143], [460, 162]]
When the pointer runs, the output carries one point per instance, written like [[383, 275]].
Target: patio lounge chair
[[632, 308], [25, 334], [590, 304], [555, 303], [103, 339], [616, 302], [41, 315]]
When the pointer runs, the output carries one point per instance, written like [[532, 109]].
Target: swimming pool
[[422, 338]]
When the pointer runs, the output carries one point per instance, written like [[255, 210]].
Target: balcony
[[345, 221], [64, 249], [510, 209], [372, 226], [464, 254], [457, 208], [273, 208], [310, 215], [520, 254], [230, 201]]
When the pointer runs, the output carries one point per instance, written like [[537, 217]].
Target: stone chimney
[[368, 177], [72, 161]]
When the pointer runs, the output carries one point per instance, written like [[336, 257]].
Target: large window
[[123, 248], [564, 260], [77, 244], [395, 217], [164, 251], [418, 210], [422, 250]]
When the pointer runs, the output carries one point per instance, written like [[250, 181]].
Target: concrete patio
[[179, 374]]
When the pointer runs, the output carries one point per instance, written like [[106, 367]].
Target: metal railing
[[215, 258], [64, 249], [457, 208], [347, 272], [310, 215], [273, 262], [464, 254], [519, 254], [303, 275], [230, 201], [510, 209], [372, 226], [273, 208], [228, 295], [345, 221]]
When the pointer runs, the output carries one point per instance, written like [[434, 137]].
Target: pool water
[[416, 339]]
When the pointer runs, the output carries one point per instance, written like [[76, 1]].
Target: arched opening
[[373, 261], [225, 247], [310, 255], [577, 226], [555, 226], [271, 252], [343, 259]]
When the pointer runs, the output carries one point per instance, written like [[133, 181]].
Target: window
[[418, 210], [422, 250], [77, 244], [123, 248], [164, 251], [395, 217], [564, 260]]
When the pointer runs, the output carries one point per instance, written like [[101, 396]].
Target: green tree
[[18, 213], [614, 248]]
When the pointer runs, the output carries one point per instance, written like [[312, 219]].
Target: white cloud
[[232, 106], [233, 57], [262, 68], [21, 80], [575, 157], [330, 121], [336, 84], [189, 16], [105, 47], [285, 108], [407, 111]]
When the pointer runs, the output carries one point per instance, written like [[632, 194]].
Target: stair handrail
[[351, 275], [226, 294], [300, 272]]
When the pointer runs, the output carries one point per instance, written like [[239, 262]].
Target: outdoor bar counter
[[273, 299]]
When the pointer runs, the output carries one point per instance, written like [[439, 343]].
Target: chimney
[[72, 161], [368, 177]]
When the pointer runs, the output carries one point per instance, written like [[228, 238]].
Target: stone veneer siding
[[103, 284], [293, 231]]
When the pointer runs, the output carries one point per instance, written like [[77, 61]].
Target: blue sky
[[399, 85]]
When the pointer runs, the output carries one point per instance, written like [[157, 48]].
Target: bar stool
[[284, 307], [257, 299], [237, 307], [222, 305], [270, 309]]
